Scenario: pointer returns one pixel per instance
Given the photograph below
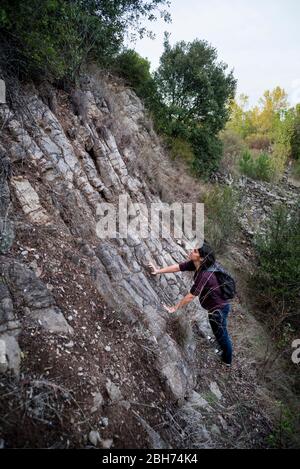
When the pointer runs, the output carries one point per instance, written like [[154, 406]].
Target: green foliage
[[135, 70], [259, 167], [195, 90], [258, 142], [190, 120], [194, 86], [222, 212], [278, 252], [295, 138], [233, 147], [7, 235], [233, 144], [55, 38], [285, 429], [270, 127], [241, 120], [208, 152], [180, 148], [296, 169]]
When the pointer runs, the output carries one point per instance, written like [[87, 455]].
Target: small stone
[[215, 430], [215, 390], [94, 437], [70, 344], [104, 422], [3, 361], [223, 422], [125, 404], [98, 402], [107, 348], [106, 444], [113, 391]]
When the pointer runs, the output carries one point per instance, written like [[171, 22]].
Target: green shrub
[[180, 149], [286, 428], [133, 68], [53, 39], [221, 216], [233, 143], [295, 139], [258, 142], [208, 151], [277, 278], [195, 89], [233, 147], [260, 167], [296, 169]]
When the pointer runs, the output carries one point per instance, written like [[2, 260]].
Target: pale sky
[[260, 39]]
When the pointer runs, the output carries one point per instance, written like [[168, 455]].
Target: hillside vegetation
[[88, 356]]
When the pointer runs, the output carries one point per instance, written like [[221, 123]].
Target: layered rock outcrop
[[94, 147]]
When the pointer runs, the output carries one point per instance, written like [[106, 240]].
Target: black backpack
[[225, 280]]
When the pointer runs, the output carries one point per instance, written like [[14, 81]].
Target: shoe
[[227, 365], [211, 340]]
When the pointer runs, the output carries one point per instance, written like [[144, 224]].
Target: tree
[[243, 120], [278, 253], [196, 91], [273, 105], [295, 140], [133, 68], [55, 38], [194, 85]]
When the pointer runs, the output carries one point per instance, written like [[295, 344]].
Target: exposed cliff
[[97, 359]]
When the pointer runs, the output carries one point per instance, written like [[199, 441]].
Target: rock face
[[85, 309], [29, 200], [259, 198], [100, 145]]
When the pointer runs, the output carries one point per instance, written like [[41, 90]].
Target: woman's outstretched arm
[[166, 270]]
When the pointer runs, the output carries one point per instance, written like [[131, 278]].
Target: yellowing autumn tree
[[269, 126], [273, 105]]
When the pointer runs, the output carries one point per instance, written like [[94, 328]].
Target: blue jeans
[[218, 322]]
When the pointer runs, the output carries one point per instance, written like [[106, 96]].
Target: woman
[[207, 288]]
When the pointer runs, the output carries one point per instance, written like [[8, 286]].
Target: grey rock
[[29, 201], [155, 439], [3, 359], [215, 430], [10, 353], [125, 404], [97, 402], [198, 402], [215, 390], [94, 437], [104, 422], [113, 391], [6, 304], [52, 320]]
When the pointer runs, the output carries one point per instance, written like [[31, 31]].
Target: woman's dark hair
[[208, 256]]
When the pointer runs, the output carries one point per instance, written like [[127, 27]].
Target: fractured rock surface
[[86, 158]]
